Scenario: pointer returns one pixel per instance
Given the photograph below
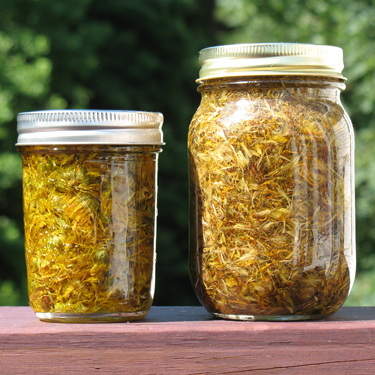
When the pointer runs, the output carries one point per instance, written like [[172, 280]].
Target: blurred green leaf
[[9, 294], [10, 170]]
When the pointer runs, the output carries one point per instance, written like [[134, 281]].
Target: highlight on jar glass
[[89, 196], [271, 159]]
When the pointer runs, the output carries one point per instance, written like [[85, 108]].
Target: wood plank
[[188, 340]]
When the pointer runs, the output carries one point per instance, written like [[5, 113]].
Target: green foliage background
[[143, 54]]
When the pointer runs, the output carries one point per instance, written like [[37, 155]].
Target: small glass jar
[[89, 195], [271, 155]]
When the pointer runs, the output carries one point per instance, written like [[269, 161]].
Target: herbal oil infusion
[[271, 156], [89, 190]]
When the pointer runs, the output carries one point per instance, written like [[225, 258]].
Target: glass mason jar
[[89, 196], [271, 156]]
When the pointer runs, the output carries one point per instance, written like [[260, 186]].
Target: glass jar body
[[90, 219], [271, 198]]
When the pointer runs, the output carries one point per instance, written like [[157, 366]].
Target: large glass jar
[[271, 149], [89, 193]]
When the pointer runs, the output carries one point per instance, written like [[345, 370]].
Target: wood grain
[[187, 340]]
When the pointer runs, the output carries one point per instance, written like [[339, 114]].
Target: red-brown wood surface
[[187, 340]]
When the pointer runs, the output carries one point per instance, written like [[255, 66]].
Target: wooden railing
[[188, 340]]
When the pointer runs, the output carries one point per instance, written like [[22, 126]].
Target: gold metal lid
[[270, 59]]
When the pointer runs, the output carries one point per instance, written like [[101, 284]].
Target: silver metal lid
[[60, 127], [270, 59]]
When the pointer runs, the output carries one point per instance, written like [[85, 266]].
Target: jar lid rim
[[84, 126], [270, 59]]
